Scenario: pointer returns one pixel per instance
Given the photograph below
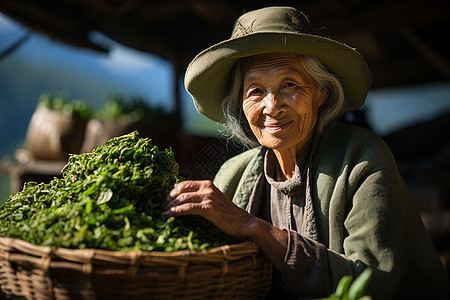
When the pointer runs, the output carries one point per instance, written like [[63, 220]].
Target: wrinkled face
[[280, 100]]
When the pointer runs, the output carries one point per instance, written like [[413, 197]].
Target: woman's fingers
[[179, 188], [185, 192], [204, 199], [187, 208], [182, 199], [196, 197]]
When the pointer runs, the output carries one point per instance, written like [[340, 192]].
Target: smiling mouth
[[276, 126]]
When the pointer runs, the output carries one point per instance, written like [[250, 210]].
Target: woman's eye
[[255, 92], [289, 87], [290, 84]]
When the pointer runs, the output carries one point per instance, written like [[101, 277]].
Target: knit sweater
[[361, 211]]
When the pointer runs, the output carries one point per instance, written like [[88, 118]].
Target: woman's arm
[[204, 199], [302, 263]]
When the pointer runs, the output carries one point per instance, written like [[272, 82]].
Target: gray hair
[[236, 124]]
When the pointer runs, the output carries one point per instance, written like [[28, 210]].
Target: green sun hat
[[266, 30]]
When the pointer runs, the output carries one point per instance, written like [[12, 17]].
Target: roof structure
[[404, 41]]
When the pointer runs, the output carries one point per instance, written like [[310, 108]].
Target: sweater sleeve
[[372, 234], [305, 271], [367, 218], [382, 230]]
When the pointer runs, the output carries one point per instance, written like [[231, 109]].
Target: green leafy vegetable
[[109, 199], [349, 289]]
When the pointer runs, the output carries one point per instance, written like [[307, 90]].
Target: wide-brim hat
[[272, 29]]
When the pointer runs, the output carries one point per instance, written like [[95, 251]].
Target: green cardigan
[[363, 213]]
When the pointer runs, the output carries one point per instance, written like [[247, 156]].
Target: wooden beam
[[378, 17], [62, 27], [435, 60], [214, 12]]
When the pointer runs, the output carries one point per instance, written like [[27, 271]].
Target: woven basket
[[36, 272]]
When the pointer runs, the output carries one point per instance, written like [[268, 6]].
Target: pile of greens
[[108, 199]]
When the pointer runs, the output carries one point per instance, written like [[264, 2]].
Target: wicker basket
[[36, 272]]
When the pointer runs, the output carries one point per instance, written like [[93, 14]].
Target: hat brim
[[208, 76]]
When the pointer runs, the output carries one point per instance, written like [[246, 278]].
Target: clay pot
[[53, 135]]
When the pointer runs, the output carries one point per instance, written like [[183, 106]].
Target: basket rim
[[226, 253], [52, 273]]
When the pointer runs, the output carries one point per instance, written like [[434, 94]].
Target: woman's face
[[280, 101]]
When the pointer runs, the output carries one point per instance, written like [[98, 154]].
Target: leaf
[[88, 208], [359, 285], [125, 210], [189, 241], [343, 286], [105, 196]]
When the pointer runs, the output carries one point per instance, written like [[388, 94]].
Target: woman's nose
[[272, 105]]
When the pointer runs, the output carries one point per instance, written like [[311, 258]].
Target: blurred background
[[124, 60]]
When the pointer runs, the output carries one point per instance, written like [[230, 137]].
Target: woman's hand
[[204, 199]]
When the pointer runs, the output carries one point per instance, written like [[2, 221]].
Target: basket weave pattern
[[36, 272]]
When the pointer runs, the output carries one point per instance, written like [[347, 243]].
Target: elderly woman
[[321, 199]]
